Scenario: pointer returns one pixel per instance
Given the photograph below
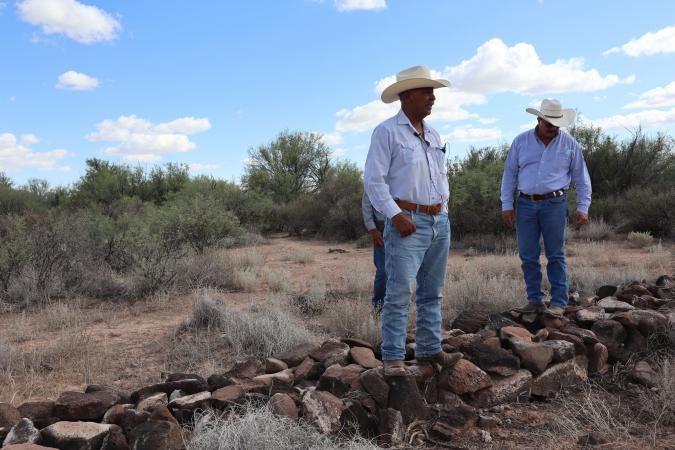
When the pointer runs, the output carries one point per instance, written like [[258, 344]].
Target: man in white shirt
[[406, 179]]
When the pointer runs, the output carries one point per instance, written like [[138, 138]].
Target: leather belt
[[540, 197], [426, 209]]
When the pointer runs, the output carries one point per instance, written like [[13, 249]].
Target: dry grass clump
[[236, 270], [300, 256], [596, 230], [658, 404], [639, 239], [278, 281], [358, 281], [260, 429], [352, 318], [481, 244], [261, 331]]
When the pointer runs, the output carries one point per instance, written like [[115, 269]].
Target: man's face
[[420, 100], [546, 129]]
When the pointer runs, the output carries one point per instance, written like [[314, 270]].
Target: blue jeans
[[380, 282], [545, 218], [421, 257]]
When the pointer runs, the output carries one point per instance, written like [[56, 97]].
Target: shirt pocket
[[563, 157], [412, 153], [439, 158]]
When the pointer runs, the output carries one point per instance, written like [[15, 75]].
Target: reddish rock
[[373, 382], [331, 352], [364, 357], [285, 376], [298, 354], [391, 427], [555, 322], [284, 405], [274, 365], [75, 435], [115, 440], [597, 359], [587, 316], [189, 386], [609, 332], [183, 408], [533, 356], [28, 447], [40, 413], [128, 418], [228, 396], [514, 332], [558, 376], [123, 396], [587, 336], [605, 291], [355, 420], [514, 388], [404, 395], [463, 378], [307, 370], [245, 369], [356, 342], [471, 320], [493, 360], [612, 304], [77, 406], [338, 379], [24, 432], [156, 435], [541, 335], [9, 416], [579, 346], [322, 409], [152, 401], [647, 321], [562, 350], [644, 374]]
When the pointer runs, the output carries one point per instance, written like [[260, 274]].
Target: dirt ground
[[126, 342]]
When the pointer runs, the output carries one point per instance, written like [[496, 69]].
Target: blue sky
[[201, 82]]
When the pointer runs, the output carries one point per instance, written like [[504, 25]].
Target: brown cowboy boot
[[394, 368], [441, 358]]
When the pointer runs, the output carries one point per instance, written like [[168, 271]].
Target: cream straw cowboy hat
[[552, 112], [411, 78]]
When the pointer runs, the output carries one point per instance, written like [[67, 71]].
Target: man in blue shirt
[[541, 164], [374, 222], [406, 179]]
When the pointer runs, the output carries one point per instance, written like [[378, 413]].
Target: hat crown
[[414, 72], [551, 108]]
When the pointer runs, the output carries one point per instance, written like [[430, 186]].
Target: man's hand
[[581, 218], [378, 240], [404, 224], [509, 217]]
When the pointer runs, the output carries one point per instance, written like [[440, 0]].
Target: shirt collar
[[402, 119]]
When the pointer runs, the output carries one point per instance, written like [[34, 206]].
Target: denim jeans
[[421, 257], [380, 282], [545, 218]]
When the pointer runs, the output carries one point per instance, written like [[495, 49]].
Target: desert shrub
[[300, 256], [595, 230], [352, 318], [501, 244], [277, 280], [649, 210], [639, 239], [659, 404], [14, 250], [200, 221], [257, 428], [260, 331]]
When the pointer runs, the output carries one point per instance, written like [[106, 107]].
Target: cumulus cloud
[[644, 119], [352, 5], [333, 138], [468, 133], [82, 23], [661, 41], [655, 98], [201, 167], [16, 154], [76, 81], [139, 140], [498, 68]]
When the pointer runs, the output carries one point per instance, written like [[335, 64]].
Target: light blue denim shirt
[[536, 168], [401, 165], [370, 214]]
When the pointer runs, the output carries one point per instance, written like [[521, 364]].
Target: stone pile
[[339, 386]]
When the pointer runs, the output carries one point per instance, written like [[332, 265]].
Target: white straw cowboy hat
[[552, 112], [411, 78]]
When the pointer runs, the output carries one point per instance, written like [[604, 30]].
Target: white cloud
[[655, 98], [82, 23], [364, 117], [488, 120], [352, 5], [498, 68], [76, 81], [333, 138], [338, 152], [644, 119], [139, 140], [661, 41], [469, 133], [17, 155]]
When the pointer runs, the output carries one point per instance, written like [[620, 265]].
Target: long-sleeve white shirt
[[401, 165]]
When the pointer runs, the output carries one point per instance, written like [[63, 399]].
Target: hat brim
[[391, 93], [566, 120]]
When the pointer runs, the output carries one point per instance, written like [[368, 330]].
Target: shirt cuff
[[507, 206]]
